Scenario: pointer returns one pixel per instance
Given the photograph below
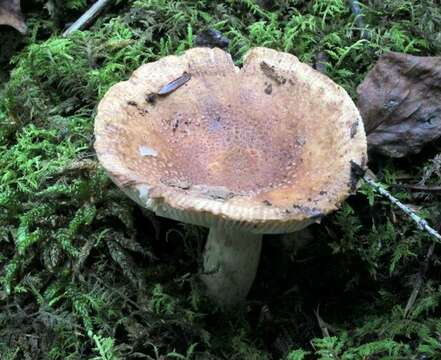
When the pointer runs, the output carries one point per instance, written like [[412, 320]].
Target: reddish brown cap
[[268, 147]]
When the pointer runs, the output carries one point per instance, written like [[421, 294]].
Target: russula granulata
[[11, 15], [266, 148]]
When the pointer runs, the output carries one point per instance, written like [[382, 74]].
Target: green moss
[[87, 274]]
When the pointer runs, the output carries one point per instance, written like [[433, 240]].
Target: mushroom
[[267, 148], [11, 15]]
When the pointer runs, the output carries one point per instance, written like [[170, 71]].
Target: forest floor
[[85, 274]]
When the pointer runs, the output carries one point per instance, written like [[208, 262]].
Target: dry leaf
[[10, 15], [400, 102]]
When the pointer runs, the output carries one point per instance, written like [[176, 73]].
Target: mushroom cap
[[268, 148]]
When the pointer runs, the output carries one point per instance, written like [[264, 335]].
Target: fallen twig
[[324, 326], [87, 18], [419, 280], [420, 187], [422, 224]]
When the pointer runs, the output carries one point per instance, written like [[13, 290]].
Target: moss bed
[[86, 274]]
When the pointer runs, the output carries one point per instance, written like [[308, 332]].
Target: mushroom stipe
[[225, 155]]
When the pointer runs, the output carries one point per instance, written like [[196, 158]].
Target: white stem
[[230, 263]]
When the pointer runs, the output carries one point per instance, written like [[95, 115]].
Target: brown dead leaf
[[10, 15], [400, 102]]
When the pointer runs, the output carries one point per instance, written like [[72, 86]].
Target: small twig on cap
[[88, 17], [175, 84], [422, 224]]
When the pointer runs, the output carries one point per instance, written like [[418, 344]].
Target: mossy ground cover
[[86, 274]]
